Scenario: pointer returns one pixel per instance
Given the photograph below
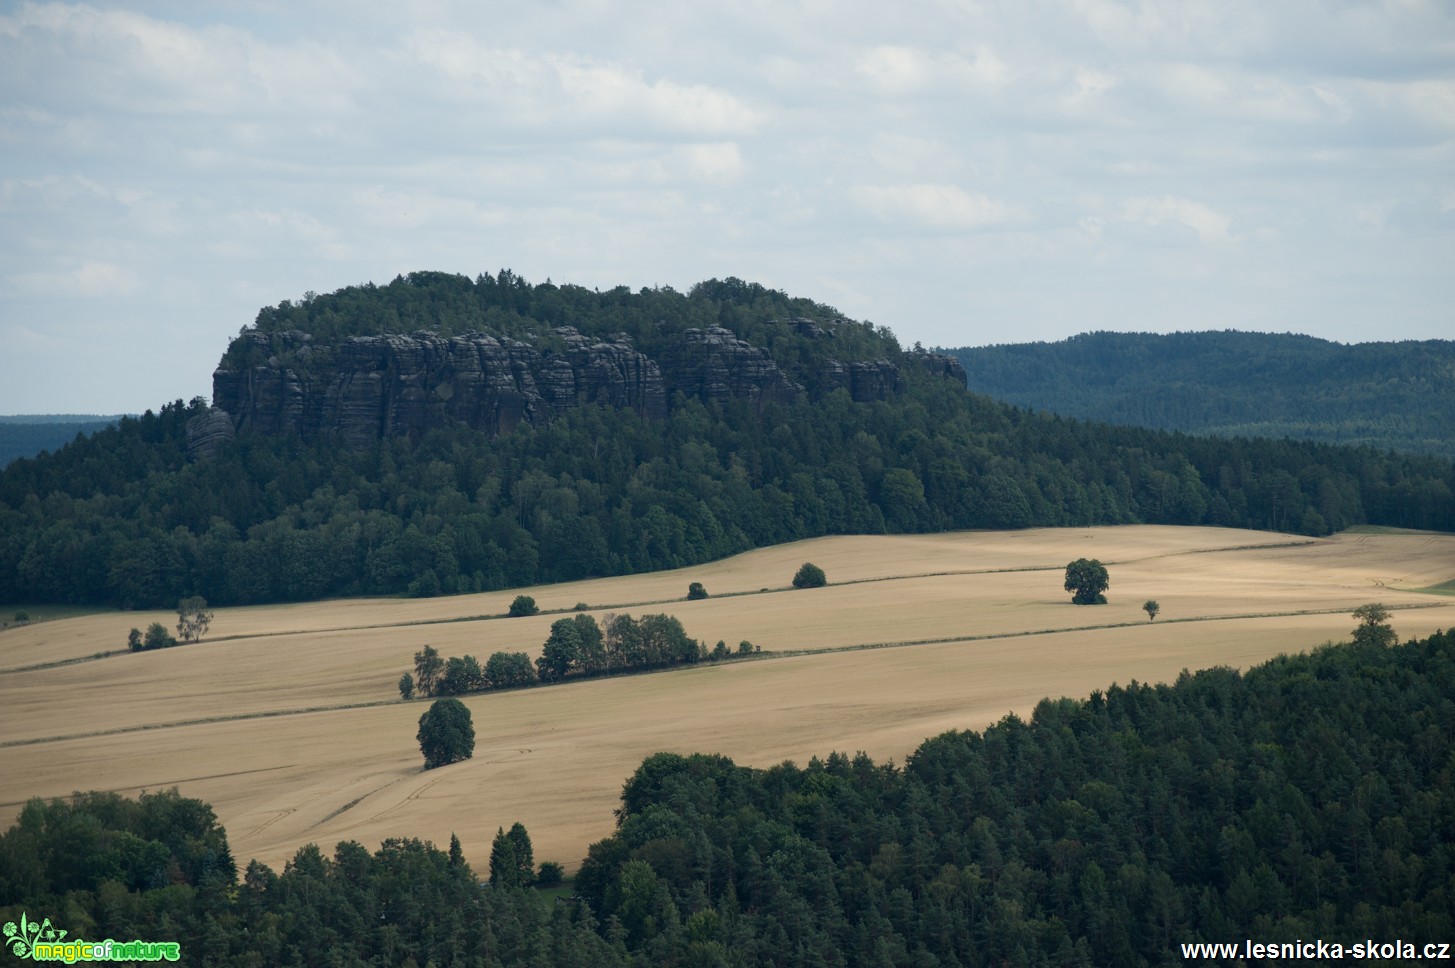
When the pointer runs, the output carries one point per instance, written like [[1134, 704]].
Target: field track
[[287, 720]]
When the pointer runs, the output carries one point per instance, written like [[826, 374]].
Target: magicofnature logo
[[42, 941]]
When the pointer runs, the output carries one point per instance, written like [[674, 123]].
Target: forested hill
[[433, 500], [1386, 395]]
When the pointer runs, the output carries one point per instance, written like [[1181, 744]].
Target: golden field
[[287, 718]]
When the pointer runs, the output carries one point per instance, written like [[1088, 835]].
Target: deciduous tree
[[427, 668], [1373, 627], [446, 734], [1087, 579], [193, 618]]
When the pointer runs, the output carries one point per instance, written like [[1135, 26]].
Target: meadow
[[288, 720]]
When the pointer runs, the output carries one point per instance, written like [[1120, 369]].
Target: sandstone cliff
[[361, 388]]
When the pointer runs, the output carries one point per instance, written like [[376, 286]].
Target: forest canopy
[[1386, 395]]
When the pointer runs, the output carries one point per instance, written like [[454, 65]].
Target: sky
[[962, 172]]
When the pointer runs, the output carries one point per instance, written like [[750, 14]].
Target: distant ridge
[[60, 418], [1388, 395], [28, 434]]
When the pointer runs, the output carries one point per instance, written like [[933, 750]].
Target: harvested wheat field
[[287, 719]]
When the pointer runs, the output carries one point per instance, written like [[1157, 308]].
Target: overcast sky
[[961, 172]]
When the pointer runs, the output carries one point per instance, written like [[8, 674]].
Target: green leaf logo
[[22, 937]]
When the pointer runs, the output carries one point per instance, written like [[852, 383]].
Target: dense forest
[[1311, 798], [125, 518], [1385, 395]]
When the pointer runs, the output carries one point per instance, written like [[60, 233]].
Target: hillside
[[440, 435], [1384, 395]]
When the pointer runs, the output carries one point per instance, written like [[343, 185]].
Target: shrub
[[550, 874], [696, 592], [809, 576], [157, 637], [523, 605]]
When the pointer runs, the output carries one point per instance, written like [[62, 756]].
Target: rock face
[[360, 389], [369, 387], [865, 382], [712, 364], [207, 433], [940, 364]]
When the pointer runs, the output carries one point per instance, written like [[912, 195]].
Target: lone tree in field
[[446, 734], [696, 592], [1373, 627], [1151, 607], [406, 687], [1086, 578], [810, 576], [193, 618], [523, 605]]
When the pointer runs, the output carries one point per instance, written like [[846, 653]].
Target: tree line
[[577, 648], [1310, 797], [122, 518]]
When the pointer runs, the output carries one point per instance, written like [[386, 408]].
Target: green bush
[[695, 592], [523, 605]]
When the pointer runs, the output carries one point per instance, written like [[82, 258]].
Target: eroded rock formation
[[360, 389]]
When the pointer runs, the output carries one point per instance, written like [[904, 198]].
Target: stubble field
[[287, 718]]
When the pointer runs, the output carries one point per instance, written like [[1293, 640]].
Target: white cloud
[[130, 61], [1206, 224], [903, 70], [932, 206], [715, 162], [90, 279], [542, 90]]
